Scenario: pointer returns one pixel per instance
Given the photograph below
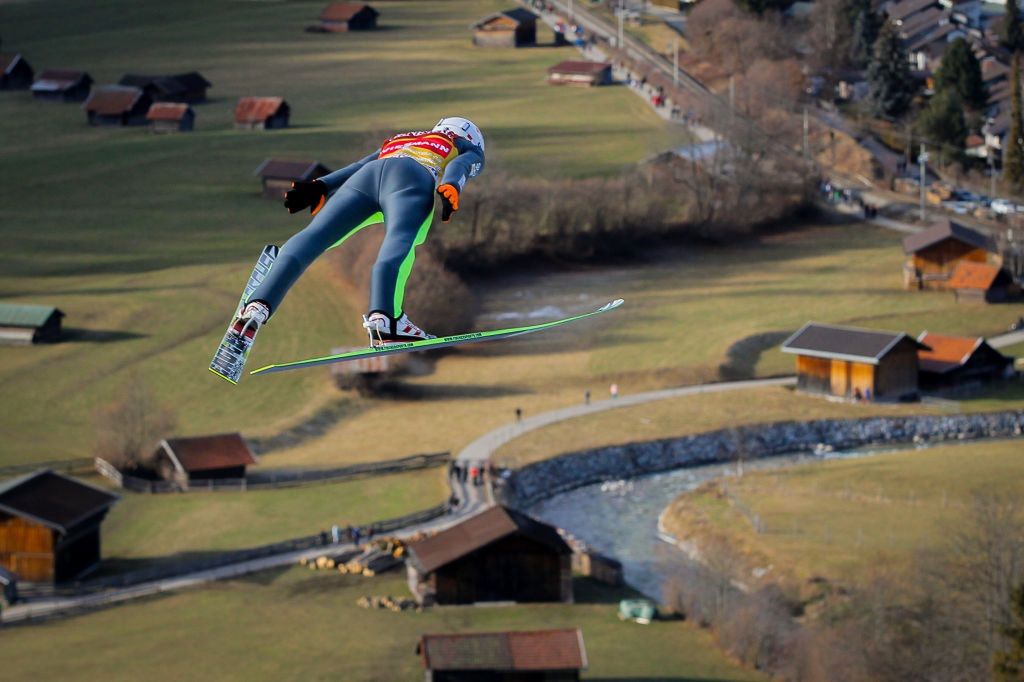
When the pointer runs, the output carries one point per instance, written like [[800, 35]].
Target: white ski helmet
[[461, 127]]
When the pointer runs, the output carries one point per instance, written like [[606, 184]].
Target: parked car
[[1002, 207]]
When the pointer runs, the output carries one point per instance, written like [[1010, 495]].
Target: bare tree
[[129, 427]]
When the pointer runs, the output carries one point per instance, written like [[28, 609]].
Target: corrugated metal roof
[[946, 229], [968, 275], [843, 343], [58, 79], [111, 100], [946, 352], [167, 111], [52, 499], [579, 67], [343, 11], [17, 315], [478, 531], [291, 170], [535, 650], [203, 453], [256, 109]]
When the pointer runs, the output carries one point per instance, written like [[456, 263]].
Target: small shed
[[15, 72], [117, 105], [514, 656], [575, 72], [339, 17], [171, 117], [62, 85], [511, 28], [262, 113], [277, 175], [50, 526], [959, 361], [982, 283], [184, 460], [498, 555], [933, 254], [189, 88], [855, 363], [27, 324]]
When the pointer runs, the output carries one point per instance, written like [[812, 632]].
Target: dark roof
[[579, 66], [203, 453], [478, 531], [253, 109], [844, 343], [505, 651], [112, 99], [167, 111], [53, 500], [167, 85], [59, 79], [9, 60], [14, 315], [343, 11], [291, 170], [939, 33], [926, 20], [900, 10], [968, 275], [946, 229]]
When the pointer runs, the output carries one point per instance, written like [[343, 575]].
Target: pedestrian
[[586, 397], [350, 533], [519, 414], [323, 537], [474, 473], [453, 501], [463, 473], [335, 534], [613, 390], [356, 536]]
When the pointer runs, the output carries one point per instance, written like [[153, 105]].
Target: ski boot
[[383, 328], [234, 349]]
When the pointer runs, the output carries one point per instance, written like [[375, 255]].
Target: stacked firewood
[[382, 554], [390, 603]]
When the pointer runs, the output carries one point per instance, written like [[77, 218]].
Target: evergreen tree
[[892, 86], [864, 34], [961, 71], [1009, 665], [1013, 147], [1012, 35], [943, 120]]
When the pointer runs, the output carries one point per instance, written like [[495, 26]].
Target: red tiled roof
[[343, 11], [970, 275], [505, 651], [166, 111], [203, 453], [946, 352], [255, 109], [112, 99], [579, 66]]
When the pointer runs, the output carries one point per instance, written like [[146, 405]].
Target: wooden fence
[[67, 466]]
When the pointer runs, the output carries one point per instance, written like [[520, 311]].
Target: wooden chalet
[[50, 526], [933, 254], [277, 175], [188, 88], [15, 72], [62, 85], [511, 28], [27, 324], [171, 117], [575, 72], [982, 283], [523, 656], [262, 113], [339, 17], [117, 105], [497, 555], [855, 363], [959, 361], [201, 458]]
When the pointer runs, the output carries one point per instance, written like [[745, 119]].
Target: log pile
[[390, 603], [327, 562], [378, 556]]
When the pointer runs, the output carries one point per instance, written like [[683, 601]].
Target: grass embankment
[[297, 625], [845, 520], [145, 240]]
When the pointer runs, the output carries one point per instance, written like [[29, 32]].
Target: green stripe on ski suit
[[456, 339], [406, 268], [376, 218]]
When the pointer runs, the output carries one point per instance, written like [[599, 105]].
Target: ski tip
[[261, 370], [227, 379], [611, 306]]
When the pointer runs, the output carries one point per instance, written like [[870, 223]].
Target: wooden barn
[[523, 656], [277, 175], [15, 72], [27, 324], [202, 458], [574, 72], [62, 85], [497, 555], [50, 526], [171, 117], [933, 254], [117, 105], [855, 363], [511, 28], [339, 17], [959, 361], [982, 283], [187, 88], [262, 113]]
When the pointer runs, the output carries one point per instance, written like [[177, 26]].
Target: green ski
[[430, 344]]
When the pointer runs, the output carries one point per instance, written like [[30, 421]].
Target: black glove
[[449, 201], [302, 194]]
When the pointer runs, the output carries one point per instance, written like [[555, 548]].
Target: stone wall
[[540, 480]]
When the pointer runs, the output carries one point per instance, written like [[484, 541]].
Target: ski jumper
[[395, 185]]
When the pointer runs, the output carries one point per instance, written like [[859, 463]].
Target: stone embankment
[[540, 480]]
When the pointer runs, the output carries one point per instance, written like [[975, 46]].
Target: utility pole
[[807, 151], [991, 173], [923, 158], [675, 63]]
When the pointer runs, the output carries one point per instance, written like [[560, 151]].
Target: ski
[[431, 344], [229, 360]]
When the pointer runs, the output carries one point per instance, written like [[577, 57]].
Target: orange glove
[[449, 201]]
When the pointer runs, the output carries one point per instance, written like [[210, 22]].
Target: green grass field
[[293, 624], [847, 519]]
